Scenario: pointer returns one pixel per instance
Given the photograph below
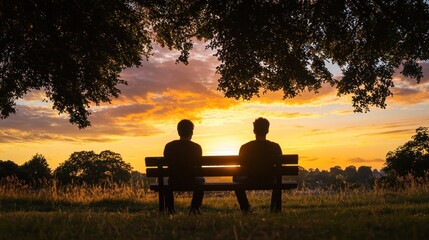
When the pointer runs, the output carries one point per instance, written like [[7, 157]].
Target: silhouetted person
[[183, 157], [257, 158]]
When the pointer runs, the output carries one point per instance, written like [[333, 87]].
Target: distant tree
[[91, 168], [335, 170], [376, 174], [72, 50], [410, 158], [350, 173], [364, 176], [285, 45], [336, 178], [36, 169], [320, 179], [9, 169], [302, 178]]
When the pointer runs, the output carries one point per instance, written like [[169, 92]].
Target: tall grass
[[125, 211], [52, 190]]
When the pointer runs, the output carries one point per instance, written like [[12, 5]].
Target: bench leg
[[276, 201], [161, 201]]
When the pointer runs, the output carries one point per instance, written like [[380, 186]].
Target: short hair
[[261, 126], [185, 128]]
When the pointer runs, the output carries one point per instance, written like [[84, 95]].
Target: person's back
[[182, 156], [258, 158]]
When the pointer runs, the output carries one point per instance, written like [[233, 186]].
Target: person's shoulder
[[194, 144], [273, 143], [248, 144], [172, 144]]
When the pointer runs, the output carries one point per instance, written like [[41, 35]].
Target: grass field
[[124, 212]]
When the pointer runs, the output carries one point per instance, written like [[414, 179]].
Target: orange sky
[[321, 128]]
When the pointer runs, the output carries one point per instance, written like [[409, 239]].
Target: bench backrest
[[222, 166]]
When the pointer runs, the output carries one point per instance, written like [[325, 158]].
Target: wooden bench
[[222, 166]]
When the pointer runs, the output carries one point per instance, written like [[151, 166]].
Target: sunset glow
[[321, 128]]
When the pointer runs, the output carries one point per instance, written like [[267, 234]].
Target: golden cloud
[[407, 91], [361, 160], [159, 91], [409, 95]]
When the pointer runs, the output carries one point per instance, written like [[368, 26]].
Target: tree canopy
[[285, 45], [72, 50], [337, 178], [410, 158], [91, 168], [36, 170], [9, 169], [75, 50]]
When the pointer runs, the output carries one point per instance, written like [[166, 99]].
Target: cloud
[[315, 132], [343, 112], [390, 132], [36, 124], [159, 91], [408, 95], [35, 95], [281, 114], [162, 74], [407, 91], [308, 159], [325, 95], [399, 130], [361, 160]]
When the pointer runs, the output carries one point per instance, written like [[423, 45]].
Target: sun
[[222, 147]]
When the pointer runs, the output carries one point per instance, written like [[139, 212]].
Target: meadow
[[130, 212]]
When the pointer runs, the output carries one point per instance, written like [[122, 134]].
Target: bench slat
[[220, 171], [228, 186], [219, 160]]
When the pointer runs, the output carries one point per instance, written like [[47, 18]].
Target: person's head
[[261, 126], [185, 128]]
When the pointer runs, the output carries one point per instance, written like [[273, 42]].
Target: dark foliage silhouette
[[91, 168], [410, 158], [36, 170], [284, 45], [337, 178], [75, 50], [10, 169], [72, 50]]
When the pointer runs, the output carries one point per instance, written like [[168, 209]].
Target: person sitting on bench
[[257, 158], [182, 157]]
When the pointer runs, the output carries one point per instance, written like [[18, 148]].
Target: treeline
[[336, 178], [81, 167], [33, 172]]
